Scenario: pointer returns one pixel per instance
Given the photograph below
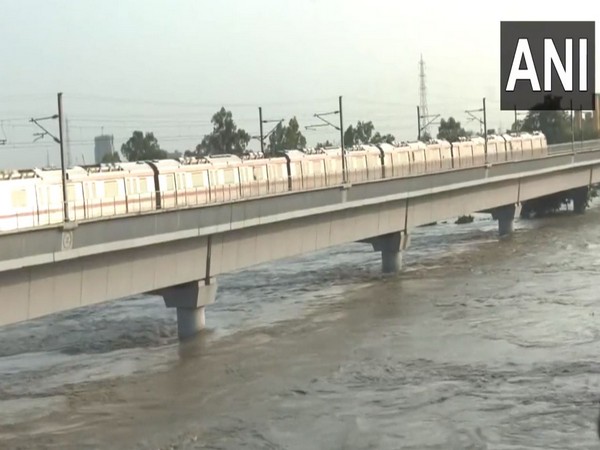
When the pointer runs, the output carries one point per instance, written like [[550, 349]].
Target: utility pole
[[485, 136], [262, 139], [340, 128], [59, 141], [62, 158], [482, 124], [516, 124], [262, 136], [342, 141], [419, 123], [424, 128]]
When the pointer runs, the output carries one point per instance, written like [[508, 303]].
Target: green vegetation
[[286, 137], [225, 137], [110, 158], [364, 133], [141, 147], [450, 130]]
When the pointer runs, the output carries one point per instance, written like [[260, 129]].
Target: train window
[[228, 176], [259, 173], [198, 179], [71, 195], [19, 198], [110, 189], [170, 183], [143, 185]]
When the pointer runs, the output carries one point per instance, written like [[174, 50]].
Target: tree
[[225, 138], [141, 147], [380, 139], [556, 125], [363, 134], [287, 137], [324, 144], [112, 157], [450, 130], [425, 136]]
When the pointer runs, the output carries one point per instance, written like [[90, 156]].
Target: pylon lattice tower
[[423, 95]]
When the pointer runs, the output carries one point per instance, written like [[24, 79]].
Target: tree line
[[227, 138]]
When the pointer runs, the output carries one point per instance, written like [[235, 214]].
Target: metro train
[[33, 197]]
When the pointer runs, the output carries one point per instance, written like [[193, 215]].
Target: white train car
[[192, 186], [396, 160], [140, 186], [418, 161], [307, 169], [438, 155], [364, 163], [263, 176], [514, 146], [224, 177], [539, 145], [18, 201], [462, 153], [334, 165], [496, 149], [94, 191]]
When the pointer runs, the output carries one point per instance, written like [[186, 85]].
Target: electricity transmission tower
[[423, 117]]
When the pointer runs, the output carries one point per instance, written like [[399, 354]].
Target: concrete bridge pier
[[390, 246], [190, 299], [505, 215], [580, 199]]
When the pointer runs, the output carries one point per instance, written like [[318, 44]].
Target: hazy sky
[[167, 65]]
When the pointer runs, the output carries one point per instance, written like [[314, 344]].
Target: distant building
[[103, 145]]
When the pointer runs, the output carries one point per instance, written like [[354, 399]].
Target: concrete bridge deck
[[178, 253]]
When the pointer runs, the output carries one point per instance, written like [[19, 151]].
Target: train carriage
[[539, 145], [334, 165], [96, 191], [514, 141], [364, 163], [307, 169], [140, 189], [396, 160], [438, 155], [462, 153], [193, 186], [527, 145], [418, 161], [478, 149], [496, 149], [18, 200], [224, 177], [263, 176]]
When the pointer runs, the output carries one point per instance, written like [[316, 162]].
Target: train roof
[[368, 148], [224, 160], [18, 174]]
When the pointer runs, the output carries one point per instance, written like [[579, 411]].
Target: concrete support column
[[390, 246], [505, 215], [580, 200], [190, 299]]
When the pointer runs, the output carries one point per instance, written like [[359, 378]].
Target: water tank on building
[[104, 145]]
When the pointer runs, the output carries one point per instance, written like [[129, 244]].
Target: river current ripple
[[481, 343]]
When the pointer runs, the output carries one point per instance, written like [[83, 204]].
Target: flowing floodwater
[[481, 343]]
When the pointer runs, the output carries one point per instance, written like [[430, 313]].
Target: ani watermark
[[547, 65]]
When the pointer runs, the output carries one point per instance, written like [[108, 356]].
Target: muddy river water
[[480, 343]]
